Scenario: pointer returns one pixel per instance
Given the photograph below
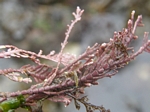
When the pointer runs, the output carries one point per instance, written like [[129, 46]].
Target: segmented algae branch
[[67, 83]]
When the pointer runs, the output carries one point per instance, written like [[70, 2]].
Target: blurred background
[[41, 24]]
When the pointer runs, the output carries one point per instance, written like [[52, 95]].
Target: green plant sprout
[[12, 104]]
